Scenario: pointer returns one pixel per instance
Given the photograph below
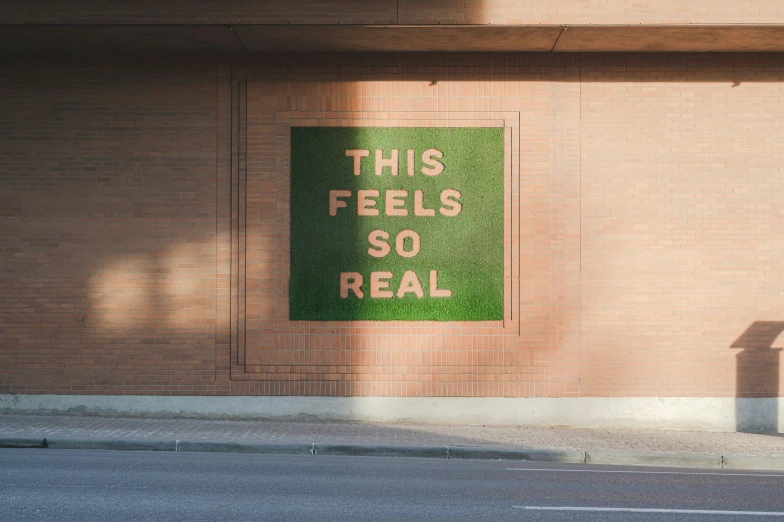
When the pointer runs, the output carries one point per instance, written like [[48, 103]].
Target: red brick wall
[[144, 236], [108, 213], [681, 238]]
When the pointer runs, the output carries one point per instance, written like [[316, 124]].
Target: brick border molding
[[266, 346], [271, 356]]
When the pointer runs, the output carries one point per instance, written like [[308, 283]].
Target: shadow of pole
[[757, 378]]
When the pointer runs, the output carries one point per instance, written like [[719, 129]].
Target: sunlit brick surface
[[144, 227]]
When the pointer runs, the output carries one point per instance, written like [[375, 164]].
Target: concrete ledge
[[678, 460], [359, 450], [568, 456], [298, 37], [674, 413]]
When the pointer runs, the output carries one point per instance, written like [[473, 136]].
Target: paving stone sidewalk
[[299, 432]]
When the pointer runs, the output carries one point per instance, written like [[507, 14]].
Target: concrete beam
[[340, 38], [684, 38], [118, 38], [390, 38]]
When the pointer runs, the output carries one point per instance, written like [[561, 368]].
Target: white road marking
[[648, 472], [644, 510]]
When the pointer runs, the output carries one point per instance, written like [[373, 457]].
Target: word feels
[[393, 203]]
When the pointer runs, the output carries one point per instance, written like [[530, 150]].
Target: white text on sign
[[393, 203]]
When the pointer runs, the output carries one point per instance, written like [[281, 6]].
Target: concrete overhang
[[116, 38], [446, 38], [391, 38], [662, 38]]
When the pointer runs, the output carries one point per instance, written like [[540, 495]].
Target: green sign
[[397, 224]]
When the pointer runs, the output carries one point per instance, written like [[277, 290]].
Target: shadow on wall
[[757, 378], [108, 216]]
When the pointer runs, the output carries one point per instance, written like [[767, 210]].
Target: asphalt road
[[115, 485]]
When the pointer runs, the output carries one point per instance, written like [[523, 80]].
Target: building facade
[[148, 173]]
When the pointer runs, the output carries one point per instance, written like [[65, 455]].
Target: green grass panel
[[467, 250]]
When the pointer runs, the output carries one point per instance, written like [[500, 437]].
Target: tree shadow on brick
[[757, 378]]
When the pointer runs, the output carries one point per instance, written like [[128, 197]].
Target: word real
[[393, 203]]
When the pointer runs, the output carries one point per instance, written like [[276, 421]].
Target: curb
[[243, 447], [752, 462], [361, 450], [682, 460], [22, 443], [111, 444], [678, 460], [565, 456]]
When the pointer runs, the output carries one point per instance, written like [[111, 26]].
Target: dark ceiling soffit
[[390, 38]]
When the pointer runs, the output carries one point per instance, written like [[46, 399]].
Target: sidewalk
[[556, 444]]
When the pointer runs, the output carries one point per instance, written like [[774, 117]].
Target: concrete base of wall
[[677, 413]]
